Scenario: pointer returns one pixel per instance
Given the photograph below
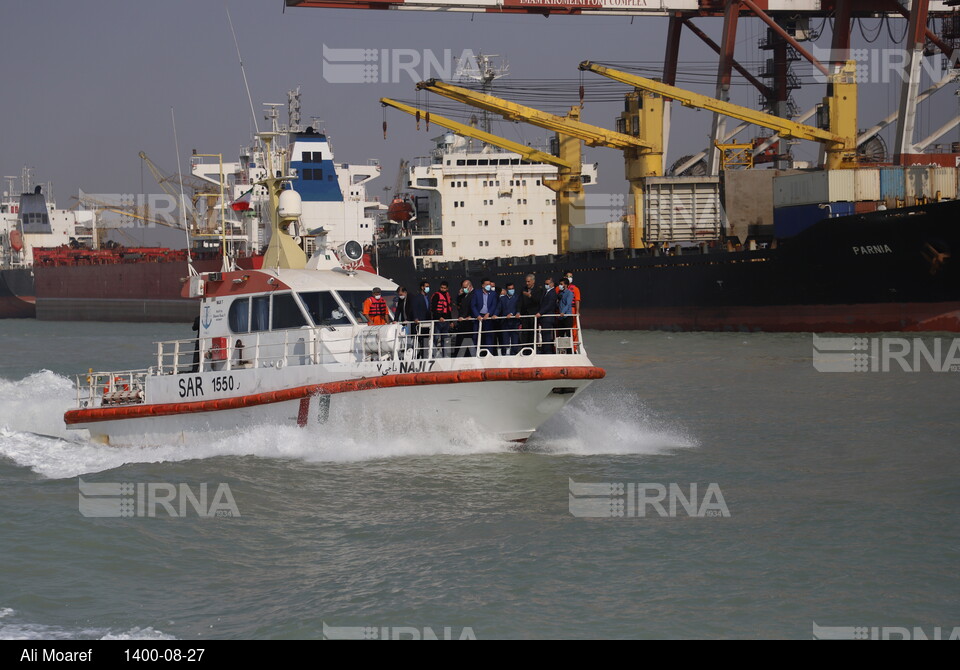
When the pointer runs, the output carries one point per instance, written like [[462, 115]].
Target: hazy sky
[[88, 85]]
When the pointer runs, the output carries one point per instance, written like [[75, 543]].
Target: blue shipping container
[[789, 221], [892, 183]]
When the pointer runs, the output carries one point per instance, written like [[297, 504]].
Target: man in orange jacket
[[375, 309]]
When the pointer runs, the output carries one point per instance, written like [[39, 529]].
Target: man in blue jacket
[[418, 309], [483, 307], [508, 309], [547, 316]]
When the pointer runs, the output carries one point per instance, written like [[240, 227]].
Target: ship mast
[[282, 251]]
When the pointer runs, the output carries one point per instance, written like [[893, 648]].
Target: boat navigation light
[[350, 254]]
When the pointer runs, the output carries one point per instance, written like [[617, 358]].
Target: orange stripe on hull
[[346, 386]]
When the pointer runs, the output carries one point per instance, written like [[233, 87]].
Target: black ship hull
[[17, 296], [897, 270]]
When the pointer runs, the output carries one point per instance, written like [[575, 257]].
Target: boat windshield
[[354, 302], [324, 309]]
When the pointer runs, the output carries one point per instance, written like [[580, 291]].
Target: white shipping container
[[866, 184], [944, 183], [810, 188], [682, 209], [917, 182]]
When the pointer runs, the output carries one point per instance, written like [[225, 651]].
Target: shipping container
[[944, 183], [682, 209], [810, 188], [892, 186], [600, 236], [865, 207], [866, 184], [917, 183], [789, 221]]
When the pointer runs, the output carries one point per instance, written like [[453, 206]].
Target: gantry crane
[[568, 185], [639, 136], [840, 139]]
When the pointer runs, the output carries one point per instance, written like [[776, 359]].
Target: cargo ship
[[90, 282], [29, 220], [856, 250]]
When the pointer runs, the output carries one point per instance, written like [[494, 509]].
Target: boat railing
[[400, 341], [102, 389]]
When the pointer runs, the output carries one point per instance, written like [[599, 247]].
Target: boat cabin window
[[260, 313], [239, 315], [354, 302], [253, 315], [324, 309], [286, 312]]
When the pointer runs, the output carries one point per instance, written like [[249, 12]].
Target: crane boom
[[784, 127], [841, 139], [469, 131], [591, 135]]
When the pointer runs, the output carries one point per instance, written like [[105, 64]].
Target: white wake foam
[[13, 628], [605, 422], [610, 422]]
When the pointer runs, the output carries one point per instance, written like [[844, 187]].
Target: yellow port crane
[[840, 139], [639, 136], [568, 185]]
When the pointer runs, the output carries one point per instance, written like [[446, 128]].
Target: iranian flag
[[242, 203]]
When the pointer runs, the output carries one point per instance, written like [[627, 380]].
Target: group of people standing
[[503, 319]]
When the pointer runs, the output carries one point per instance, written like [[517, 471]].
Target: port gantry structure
[[787, 29]]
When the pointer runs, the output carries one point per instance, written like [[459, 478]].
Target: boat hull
[[507, 402], [17, 294]]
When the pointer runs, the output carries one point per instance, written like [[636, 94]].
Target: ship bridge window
[[460, 161], [471, 161], [324, 309], [286, 312], [426, 182], [239, 315]]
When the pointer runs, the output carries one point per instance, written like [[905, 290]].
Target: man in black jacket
[[548, 316], [529, 305]]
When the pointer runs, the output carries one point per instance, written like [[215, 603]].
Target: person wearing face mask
[[466, 326], [418, 310], [483, 307], [547, 316], [441, 306], [508, 309], [574, 290], [375, 308], [564, 307], [529, 305], [400, 304]]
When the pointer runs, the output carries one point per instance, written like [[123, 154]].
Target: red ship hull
[[145, 290]]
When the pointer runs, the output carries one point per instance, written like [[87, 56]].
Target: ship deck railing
[[103, 389], [406, 341]]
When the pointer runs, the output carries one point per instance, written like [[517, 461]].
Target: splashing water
[[611, 422], [12, 628], [32, 434]]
